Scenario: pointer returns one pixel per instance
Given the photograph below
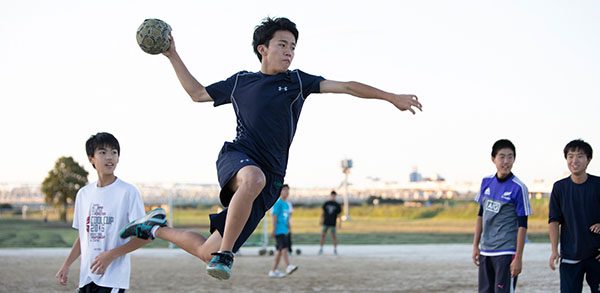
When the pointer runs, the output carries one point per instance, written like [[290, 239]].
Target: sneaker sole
[[276, 277], [218, 274], [145, 218], [290, 272]]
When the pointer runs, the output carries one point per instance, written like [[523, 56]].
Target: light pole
[[346, 166]]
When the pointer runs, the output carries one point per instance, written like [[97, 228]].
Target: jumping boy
[[101, 209], [575, 209], [282, 230], [251, 169], [332, 212], [501, 227]]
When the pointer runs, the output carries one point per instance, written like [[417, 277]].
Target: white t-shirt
[[100, 214]]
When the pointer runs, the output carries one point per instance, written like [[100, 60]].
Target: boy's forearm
[[554, 235], [133, 244], [196, 90], [364, 91], [274, 223], [74, 254], [478, 229], [521, 236], [357, 89]]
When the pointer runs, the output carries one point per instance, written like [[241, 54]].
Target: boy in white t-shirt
[[101, 209]]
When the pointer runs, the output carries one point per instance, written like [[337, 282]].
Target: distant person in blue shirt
[[501, 227], [574, 213], [251, 168], [282, 230]]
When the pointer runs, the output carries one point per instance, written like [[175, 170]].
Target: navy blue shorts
[[572, 275], [230, 161], [494, 273]]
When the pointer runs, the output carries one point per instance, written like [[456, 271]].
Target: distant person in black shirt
[[331, 212], [575, 208]]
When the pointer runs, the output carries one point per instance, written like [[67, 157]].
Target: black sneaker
[[220, 265], [142, 227]]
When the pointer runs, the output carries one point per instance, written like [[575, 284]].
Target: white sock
[[154, 230]]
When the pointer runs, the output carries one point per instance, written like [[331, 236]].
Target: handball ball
[[153, 36]]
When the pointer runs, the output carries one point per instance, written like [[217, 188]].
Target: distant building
[[439, 178], [415, 176]]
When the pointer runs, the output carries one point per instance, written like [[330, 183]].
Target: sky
[[528, 71]]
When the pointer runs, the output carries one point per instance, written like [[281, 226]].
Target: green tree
[[62, 183]]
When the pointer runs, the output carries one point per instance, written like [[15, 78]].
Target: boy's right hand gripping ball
[[153, 36]]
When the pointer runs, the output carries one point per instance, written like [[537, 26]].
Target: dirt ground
[[357, 268]]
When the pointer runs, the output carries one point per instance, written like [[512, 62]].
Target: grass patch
[[35, 233], [440, 222]]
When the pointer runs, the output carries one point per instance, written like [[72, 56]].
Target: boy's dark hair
[[503, 144], [333, 192], [101, 139], [579, 144], [285, 186], [264, 32]]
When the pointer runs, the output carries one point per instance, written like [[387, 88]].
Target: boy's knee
[[254, 178], [258, 182]]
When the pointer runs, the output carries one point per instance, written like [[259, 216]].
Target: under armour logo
[[283, 88], [245, 160]]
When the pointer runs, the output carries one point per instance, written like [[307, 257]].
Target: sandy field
[[357, 268]]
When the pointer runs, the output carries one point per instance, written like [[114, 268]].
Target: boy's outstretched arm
[[63, 273], [196, 90], [357, 89], [103, 260]]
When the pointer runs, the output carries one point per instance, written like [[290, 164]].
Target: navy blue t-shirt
[[267, 108], [576, 207]]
